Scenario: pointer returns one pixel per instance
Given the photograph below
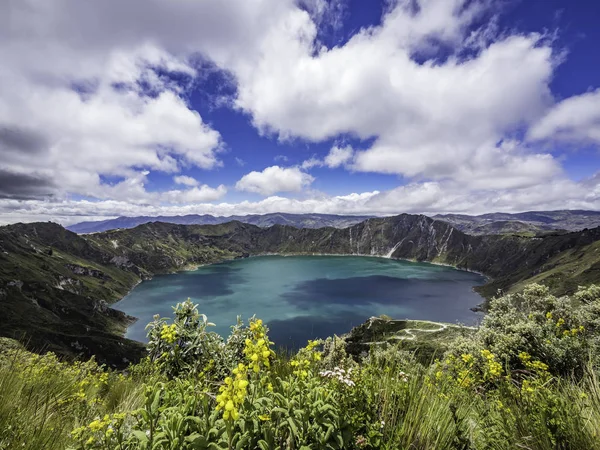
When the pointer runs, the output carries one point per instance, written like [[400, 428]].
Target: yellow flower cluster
[[316, 356], [99, 430], [304, 359], [168, 333], [301, 367], [233, 392], [257, 349], [537, 366], [574, 331], [560, 323], [492, 368], [467, 358], [527, 388]]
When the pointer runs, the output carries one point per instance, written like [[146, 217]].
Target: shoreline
[[192, 267], [364, 255]]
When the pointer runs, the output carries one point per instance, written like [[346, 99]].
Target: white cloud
[[132, 190], [428, 120], [93, 94], [185, 180], [575, 119], [196, 194], [275, 179], [338, 156], [311, 162]]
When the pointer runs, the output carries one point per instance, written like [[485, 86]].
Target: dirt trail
[[409, 334]]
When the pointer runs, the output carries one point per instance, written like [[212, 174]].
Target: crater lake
[[308, 297]]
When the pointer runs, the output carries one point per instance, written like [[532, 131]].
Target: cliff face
[[55, 286]]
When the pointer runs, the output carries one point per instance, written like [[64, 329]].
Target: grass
[[568, 270], [38, 412]]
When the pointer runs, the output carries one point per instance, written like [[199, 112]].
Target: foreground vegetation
[[527, 378]]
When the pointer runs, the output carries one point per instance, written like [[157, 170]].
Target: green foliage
[[561, 332], [502, 386]]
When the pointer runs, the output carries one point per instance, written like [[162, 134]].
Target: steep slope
[[507, 259], [54, 293], [55, 285], [261, 220]]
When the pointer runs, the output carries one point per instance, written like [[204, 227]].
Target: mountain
[[261, 220], [527, 223], [56, 286]]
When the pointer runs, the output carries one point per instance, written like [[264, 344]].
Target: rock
[[121, 261], [15, 283], [86, 271], [69, 284]]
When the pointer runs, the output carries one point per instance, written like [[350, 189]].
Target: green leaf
[[141, 436], [293, 426], [263, 445], [338, 439], [155, 401], [243, 441], [214, 446]]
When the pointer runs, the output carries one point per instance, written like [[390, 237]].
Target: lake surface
[[307, 297]]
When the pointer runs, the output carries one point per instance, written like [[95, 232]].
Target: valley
[[56, 286]]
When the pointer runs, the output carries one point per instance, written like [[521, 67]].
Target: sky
[[169, 107]]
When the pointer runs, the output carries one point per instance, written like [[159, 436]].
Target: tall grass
[[39, 413], [42, 400]]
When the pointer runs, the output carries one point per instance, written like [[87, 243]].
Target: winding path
[[410, 336]]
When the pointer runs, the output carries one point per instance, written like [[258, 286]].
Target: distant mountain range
[[526, 223], [260, 220]]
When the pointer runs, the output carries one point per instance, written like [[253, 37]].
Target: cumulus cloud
[[575, 119], [197, 194], [428, 119], [185, 180], [275, 179], [336, 157], [95, 103]]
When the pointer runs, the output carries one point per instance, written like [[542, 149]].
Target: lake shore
[[399, 291]]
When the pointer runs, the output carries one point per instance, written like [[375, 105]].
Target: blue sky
[[333, 106]]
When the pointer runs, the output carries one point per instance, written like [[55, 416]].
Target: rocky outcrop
[[87, 271]]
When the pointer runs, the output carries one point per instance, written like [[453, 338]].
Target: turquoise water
[[306, 297]]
